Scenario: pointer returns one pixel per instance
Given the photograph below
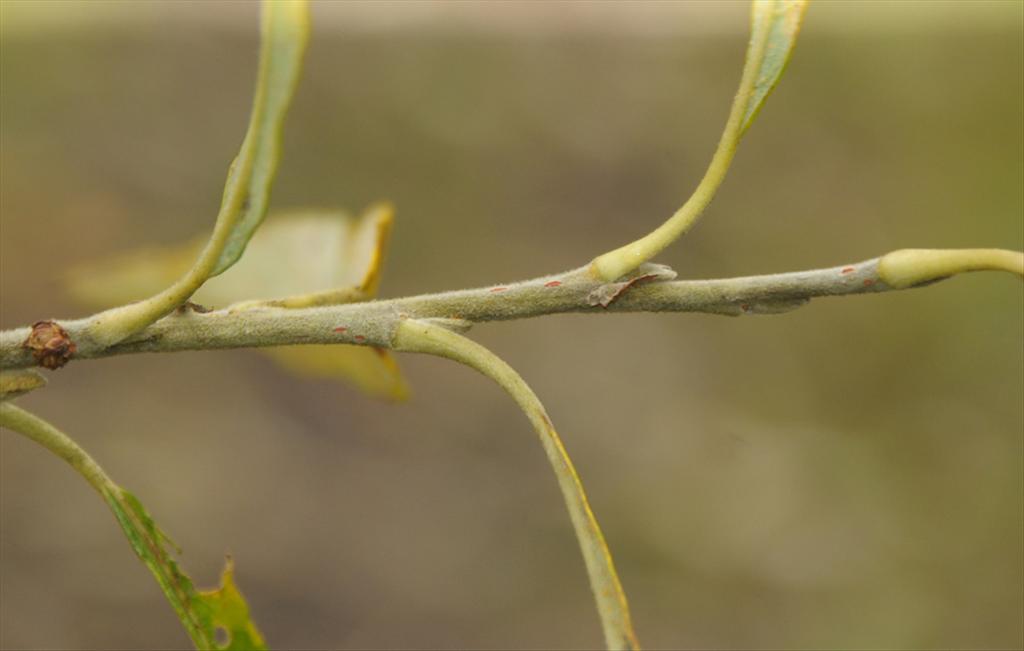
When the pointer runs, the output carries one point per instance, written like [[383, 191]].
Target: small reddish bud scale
[[553, 283], [340, 329], [745, 307], [868, 282], [359, 338], [495, 290], [50, 344], [847, 270]]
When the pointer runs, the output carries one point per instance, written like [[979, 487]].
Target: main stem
[[374, 323]]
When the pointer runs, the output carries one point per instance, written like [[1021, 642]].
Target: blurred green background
[[849, 475]]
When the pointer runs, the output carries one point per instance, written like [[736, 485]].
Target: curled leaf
[[374, 371]]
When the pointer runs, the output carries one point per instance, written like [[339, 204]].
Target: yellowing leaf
[[300, 259], [373, 370], [421, 336], [19, 382], [129, 276], [230, 613], [206, 615], [307, 258]]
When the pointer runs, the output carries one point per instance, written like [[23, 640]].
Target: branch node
[[606, 294], [454, 324]]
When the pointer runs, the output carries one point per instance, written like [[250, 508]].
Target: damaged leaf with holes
[[214, 619], [297, 259], [205, 615]]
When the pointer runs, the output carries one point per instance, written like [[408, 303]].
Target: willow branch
[[374, 323]]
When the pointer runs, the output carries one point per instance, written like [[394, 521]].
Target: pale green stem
[[424, 337], [373, 323], [17, 419], [909, 267], [621, 261]]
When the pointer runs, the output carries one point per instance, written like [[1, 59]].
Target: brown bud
[[50, 345]]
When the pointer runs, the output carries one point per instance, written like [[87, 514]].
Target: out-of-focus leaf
[[19, 382], [307, 258], [296, 260], [778, 22], [373, 370], [129, 276], [206, 616]]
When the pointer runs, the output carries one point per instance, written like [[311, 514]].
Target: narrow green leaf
[[779, 21], [285, 30], [206, 616], [774, 28], [421, 336]]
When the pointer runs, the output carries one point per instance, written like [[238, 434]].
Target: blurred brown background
[[845, 476]]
